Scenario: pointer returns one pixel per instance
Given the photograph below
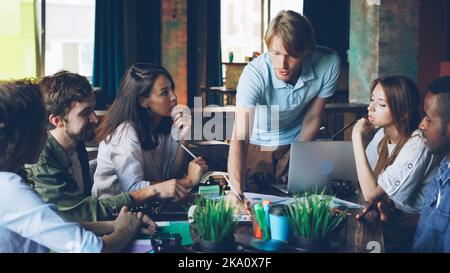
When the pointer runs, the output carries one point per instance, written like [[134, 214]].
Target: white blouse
[[122, 165], [27, 224], [405, 180]]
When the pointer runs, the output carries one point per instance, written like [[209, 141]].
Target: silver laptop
[[313, 165]]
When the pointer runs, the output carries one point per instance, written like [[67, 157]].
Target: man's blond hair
[[294, 30]]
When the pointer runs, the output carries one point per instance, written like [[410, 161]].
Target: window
[[18, 47], [240, 28], [277, 6], [243, 25], [69, 36]]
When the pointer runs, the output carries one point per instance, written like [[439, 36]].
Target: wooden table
[[363, 236], [358, 236]]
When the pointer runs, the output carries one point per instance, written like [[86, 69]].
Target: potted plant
[[214, 225], [313, 222]]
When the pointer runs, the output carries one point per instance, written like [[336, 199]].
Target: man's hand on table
[[148, 225], [380, 206]]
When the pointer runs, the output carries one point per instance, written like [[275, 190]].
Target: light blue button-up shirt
[[27, 224], [279, 106]]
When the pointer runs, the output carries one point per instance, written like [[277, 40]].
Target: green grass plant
[[213, 219], [311, 216]]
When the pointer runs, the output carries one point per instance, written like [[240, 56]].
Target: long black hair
[[137, 82], [22, 123]]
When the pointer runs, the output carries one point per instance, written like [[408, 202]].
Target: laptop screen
[[313, 165]]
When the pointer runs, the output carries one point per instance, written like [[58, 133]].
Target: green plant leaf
[[309, 216]]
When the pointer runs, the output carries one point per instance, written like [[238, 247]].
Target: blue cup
[[279, 223]]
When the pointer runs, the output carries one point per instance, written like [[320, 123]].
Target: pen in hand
[[187, 150], [228, 181]]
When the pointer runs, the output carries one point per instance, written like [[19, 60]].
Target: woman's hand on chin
[[362, 128]]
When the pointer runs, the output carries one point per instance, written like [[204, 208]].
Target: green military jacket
[[53, 179]]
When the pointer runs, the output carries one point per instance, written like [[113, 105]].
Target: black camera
[[167, 242], [342, 188]]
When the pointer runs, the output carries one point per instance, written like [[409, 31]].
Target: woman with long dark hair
[[137, 148], [27, 224], [396, 165]]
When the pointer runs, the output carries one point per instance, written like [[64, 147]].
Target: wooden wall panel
[[174, 44]]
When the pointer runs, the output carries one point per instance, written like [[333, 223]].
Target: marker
[[266, 214], [261, 218]]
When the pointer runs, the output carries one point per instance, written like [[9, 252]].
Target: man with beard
[[433, 230], [62, 175]]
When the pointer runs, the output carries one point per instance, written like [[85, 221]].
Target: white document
[[339, 202], [255, 198]]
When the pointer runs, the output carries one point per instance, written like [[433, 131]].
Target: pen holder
[[279, 223], [260, 223]]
